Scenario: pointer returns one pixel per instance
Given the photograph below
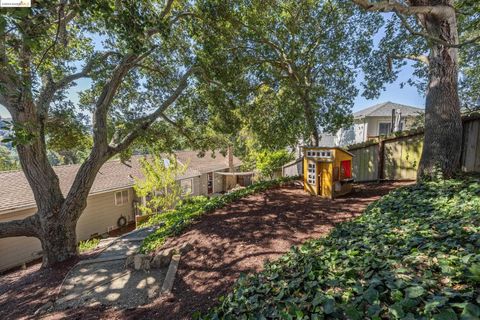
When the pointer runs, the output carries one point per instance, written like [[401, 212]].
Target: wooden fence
[[397, 158]]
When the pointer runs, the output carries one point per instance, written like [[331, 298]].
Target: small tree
[[160, 183], [269, 161], [7, 162]]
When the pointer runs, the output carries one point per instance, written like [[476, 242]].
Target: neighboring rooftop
[[208, 163], [16, 194], [385, 110]]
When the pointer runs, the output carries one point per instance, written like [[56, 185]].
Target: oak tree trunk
[[311, 123], [59, 241], [443, 124]]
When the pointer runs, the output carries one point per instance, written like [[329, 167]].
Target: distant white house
[[372, 122]]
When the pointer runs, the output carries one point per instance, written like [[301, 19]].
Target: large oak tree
[[431, 33], [296, 63], [138, 63]]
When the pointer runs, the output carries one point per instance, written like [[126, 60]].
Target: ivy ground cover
[[414, 254]]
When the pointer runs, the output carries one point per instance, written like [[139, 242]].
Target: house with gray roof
[[111, 197], [378, 120]]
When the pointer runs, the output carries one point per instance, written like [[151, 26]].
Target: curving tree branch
[[400, 10], [145, 122], [20, 228]]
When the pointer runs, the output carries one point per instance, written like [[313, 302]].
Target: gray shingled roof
[[15, 192], [208, 163], [385, 110]]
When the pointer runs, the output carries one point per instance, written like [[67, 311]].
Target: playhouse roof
[[328, 148]]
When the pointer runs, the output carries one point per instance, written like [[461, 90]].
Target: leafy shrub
[[88, 245], [414, 254], [172, 222]]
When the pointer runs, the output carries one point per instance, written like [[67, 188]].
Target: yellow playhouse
[[327, 171]]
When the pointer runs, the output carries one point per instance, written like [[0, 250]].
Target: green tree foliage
[[7, 161], [469, 55], [68, 136], [268, 162], [288, 67], [159, 184]]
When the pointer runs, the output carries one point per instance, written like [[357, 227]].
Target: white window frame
[[124, 200], [311, 173]]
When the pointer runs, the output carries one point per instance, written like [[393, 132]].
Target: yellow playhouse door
[[324, 179]]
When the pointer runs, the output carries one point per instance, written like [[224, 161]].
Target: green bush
[[414, 254], [87, 245], [172, 222]]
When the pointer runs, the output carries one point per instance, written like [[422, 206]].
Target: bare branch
[[167, 9], [145, 122], [419, 58], [62, 21], [402, 10], [394, 6], [50, 87], [100, 143], [17, 228]]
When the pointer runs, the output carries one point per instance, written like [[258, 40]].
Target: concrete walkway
[[104, 280]]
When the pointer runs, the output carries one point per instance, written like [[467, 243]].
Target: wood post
[[381, 159]]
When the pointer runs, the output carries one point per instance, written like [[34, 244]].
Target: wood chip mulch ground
[[236, 239]]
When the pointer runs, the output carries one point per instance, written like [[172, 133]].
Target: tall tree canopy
[[289, 66], [139, 63], [434, 34]]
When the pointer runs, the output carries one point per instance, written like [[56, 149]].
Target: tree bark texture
[[443, 124]]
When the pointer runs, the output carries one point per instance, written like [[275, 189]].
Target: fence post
[[380, 158]]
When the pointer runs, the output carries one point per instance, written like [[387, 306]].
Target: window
[[210, 182], [187, 186], [166, 162], [311, 173], [121, 198], [309, 154], [384, 128]]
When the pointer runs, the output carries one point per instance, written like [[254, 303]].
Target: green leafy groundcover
[[174, 221], [414, 254]]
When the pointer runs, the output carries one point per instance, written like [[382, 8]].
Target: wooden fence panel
[[471, 146], [401, 157], [365, 163]]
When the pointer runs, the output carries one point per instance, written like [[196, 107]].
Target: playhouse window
[[311, 173], [346, 169]]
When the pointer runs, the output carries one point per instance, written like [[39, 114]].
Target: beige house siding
[[218, 185], [100, 214], [196, 186], [203, 190], [17, 250]]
